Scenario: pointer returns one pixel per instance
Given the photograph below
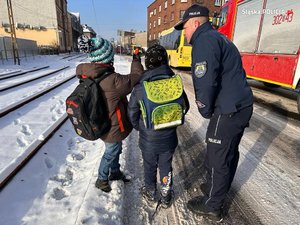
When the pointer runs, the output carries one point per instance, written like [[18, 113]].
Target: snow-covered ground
[[57, 185]]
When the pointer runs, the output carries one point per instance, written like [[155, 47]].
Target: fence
[[26, 48]]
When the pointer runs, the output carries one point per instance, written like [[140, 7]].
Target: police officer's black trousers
[[152, 161], [223, 137]]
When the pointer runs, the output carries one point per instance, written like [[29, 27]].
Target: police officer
[[223, 96]]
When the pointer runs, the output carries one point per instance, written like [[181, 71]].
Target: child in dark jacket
[[115, 87], [157, 146]]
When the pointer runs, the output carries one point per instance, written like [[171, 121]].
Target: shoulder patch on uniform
[[200, 69]]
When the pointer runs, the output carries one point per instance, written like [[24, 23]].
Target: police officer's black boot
[[205, 188], [197, 205]]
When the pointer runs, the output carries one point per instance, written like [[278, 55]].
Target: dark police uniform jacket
[[218, 75]]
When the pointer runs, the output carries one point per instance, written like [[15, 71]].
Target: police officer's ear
[[193, 23], [197, 22]]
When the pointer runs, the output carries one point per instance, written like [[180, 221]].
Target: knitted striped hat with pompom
[[99, 49]]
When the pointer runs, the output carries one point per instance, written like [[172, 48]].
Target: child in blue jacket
[[157, 146]]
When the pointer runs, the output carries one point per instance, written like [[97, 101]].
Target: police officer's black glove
[[136, 57]]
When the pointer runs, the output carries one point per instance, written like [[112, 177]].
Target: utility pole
[[13, 33]]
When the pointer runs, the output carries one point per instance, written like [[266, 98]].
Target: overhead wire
[[94, 9]]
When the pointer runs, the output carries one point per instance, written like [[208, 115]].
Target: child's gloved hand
[[136, 57]]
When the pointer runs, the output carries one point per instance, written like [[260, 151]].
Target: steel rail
[[19, 163], [28, 99], [9, 75], [29, 80]]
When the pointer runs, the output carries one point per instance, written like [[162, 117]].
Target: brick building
[[164, 14]]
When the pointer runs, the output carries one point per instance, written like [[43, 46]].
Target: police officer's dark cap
[[193, 11]]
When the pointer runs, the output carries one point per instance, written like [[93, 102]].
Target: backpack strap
[[159, 77], [102, 77], [97, 79]]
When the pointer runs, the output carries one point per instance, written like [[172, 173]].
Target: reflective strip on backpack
[[144, 113], [167, 125]]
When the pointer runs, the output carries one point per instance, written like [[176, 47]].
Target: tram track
[[4, 88], [7, 174], [76, 57], [27, 142], [10, 75], [14, 106]]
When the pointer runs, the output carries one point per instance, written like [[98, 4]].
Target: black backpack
[[87, 109]]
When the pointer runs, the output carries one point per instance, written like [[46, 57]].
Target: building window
[[159, 8], [172, 16], [173, 2], [150, 26], [154, 23], [150, 37], [166, 4], [154, 12], [183, 0], [158, 21], [151, 14], [217, 2], [181, 14], [153, 36], [165, 19]]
